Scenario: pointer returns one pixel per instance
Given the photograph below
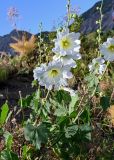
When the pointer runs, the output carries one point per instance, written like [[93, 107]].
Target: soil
[[9, 90]]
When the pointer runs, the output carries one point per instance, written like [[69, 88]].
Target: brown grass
[[110, 112], [24, 46]]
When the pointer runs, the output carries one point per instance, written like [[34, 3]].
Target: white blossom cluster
[[107, 51], [55, 74], [97, 66]]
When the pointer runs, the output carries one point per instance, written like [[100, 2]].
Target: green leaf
[[92, 80], [85, 116], [74, 99], [61, 111], [8, 140], [8, 155], [8, 116], [63, 121], [71, 131], [25, 101], [36, 134], [1, 131], [34, 83], [63, 96], [29, 132], [88, 136], [36, 101], [24, 152], [4, 113], [85, 128], [47, 106], [73, 114], [105, 102]]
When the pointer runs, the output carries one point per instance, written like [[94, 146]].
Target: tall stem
[[100, 25], [101, 78], [39, 44], [68, 12]]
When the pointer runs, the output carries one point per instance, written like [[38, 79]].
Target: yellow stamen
[[65, 43], [111, 47], [53, 73]]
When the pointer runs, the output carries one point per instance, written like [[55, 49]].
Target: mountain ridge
[[89, 25], [92, 15]]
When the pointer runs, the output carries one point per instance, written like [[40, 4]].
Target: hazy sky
[[32, 12]]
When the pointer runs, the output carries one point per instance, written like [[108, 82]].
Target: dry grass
[[110, 112], [24, 46]]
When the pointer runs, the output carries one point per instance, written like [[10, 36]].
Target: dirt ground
[[9, 90]]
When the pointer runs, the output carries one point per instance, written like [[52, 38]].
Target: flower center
[[65, 43], [53, 73], [111, 47], [96, 65]]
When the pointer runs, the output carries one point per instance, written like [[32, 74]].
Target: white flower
[[38, 72], [67, 43], [71, 91], [97, 66], [54, 75], [107, 49], [68, 60]]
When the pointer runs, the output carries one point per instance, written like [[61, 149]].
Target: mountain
[[7, 39], [92, 15], [89, 25]]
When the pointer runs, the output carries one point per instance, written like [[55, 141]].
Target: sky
[[33, 12]]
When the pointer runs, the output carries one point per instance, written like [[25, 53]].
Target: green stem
[[101, 78], [21, 99], [79, 113], [100, 26], [105, 70], [45, 99], [47, 95], [21, 105], [79, 107]]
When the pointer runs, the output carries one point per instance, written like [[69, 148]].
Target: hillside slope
[[92, 15]]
